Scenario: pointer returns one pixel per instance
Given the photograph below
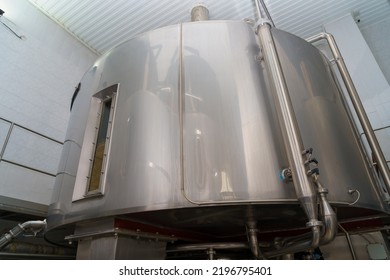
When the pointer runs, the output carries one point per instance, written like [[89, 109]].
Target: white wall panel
[[4, 128], [377, 36], [38, 75], [24, 184], [34, 151], [383, 136], [372, 86]]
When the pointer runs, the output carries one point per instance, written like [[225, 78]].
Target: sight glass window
[[100, 147], [95, 151]]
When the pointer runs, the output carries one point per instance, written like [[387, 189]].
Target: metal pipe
[[24, 256], [303, 242], [312, 242], [258, 9], [288, 257], [32, 131], [358, 106], [11, 126], [28, 248], [207, 246], [290, 131], [251, 228], [295, 239], [259, 4], [199, 13], [34, 226], [328, 216], [267, 12], [211, 253], [293, 144], [349, 242]]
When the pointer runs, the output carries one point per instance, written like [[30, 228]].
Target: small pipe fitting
[[33, 226]]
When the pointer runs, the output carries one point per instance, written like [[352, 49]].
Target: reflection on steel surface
[[196, 137]]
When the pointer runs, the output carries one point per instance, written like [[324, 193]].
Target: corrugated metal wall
[[102, 24]]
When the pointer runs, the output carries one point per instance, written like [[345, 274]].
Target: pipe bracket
[[261, 22], [314, 223]]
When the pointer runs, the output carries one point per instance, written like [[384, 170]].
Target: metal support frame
[[207, 246], [352, 250]]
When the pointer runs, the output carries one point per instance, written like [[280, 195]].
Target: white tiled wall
[[38, 75], [377, 37], [32, 150], [26, 185], [365, 70]]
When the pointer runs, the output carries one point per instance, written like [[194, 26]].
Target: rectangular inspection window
[[94, 157], [100, 146]]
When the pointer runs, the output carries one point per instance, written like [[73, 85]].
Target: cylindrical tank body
[[193, 142]]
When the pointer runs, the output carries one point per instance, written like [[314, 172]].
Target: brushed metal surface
[[323, 122], [231, 146], [231, 141]]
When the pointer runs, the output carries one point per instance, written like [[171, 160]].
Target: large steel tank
[[191, 147]]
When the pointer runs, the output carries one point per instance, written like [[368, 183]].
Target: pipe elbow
[[316, 231], [34, 226], [330, 222]]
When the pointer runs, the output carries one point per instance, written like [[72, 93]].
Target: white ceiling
[[103, 24]]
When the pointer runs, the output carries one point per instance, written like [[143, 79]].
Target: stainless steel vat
[[195, 148]]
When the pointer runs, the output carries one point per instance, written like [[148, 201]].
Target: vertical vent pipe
[[199, 12], [306, 194]]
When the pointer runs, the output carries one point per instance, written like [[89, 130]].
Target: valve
[[311, 160], [286, 175], [313, 171], [311, 163], [308, 152]]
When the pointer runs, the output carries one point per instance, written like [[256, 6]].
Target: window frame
[[90, 141]]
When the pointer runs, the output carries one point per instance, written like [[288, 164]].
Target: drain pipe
[[328, 216], [303, 242], [291, 136], [33, 226], [251, 229], [307, 242], [358, 106]]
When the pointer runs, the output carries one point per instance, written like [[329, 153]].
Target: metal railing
[[12, 125], [357, 106]]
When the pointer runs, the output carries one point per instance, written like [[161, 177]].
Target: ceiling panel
[[102, 24]]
